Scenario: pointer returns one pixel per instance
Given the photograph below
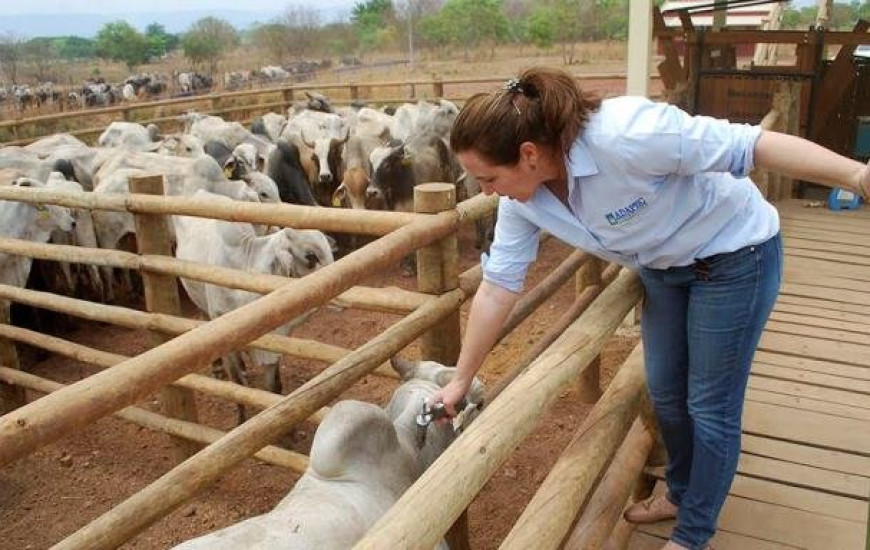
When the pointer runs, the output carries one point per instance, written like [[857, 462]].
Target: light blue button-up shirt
[[649, 185]]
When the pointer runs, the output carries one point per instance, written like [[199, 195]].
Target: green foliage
[[208, 40], [541, 28], [468, 24], [119, 41], [74, 47], [371, 20], [160, 42]]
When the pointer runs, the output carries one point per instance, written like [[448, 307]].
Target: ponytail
[[544, 106]]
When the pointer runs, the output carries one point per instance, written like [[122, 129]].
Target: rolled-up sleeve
[[662, 139], [514, 247]]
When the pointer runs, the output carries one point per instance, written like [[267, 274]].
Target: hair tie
[[513, 86]]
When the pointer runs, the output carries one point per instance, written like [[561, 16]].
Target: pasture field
[[63, 486]]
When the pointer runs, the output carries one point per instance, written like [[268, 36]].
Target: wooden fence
[[430, 314], [244, 105]]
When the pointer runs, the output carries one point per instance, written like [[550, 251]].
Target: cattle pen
[[431, 315]]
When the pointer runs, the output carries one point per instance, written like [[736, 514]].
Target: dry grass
[[380, 67]]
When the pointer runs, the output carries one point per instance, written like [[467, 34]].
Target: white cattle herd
[[363, 457]]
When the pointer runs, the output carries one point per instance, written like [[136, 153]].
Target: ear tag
[[44, 213], [228, 172], [336, 201]]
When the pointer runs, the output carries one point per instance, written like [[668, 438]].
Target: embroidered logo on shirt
[[619, 217]]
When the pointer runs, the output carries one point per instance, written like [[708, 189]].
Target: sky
[[56, 7]]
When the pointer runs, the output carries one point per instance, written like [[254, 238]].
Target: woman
[[647, 186]]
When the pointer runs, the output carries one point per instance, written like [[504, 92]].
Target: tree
[[119, 41], [371, 19], [303, 26], [74, 47], [159, 41], [273, 39], [208, 40], [541, 28], [43, 58], [11, 55], [476, 22]]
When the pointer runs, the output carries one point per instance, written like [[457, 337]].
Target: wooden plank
[[798, 475], [643, 541], [802, 363], [822, 267], [823, 236], [799, 498], [823, 304], [823, 281], [856, 394], [855, 218], [821, 430], [851, 249], [747, 524], [838, 295], [828, 256], [856, 228], [815, 348], [807, 404], [807, 317], [797, 208], [826, 459], [823, 333]]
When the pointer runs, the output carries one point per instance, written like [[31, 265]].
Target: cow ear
[[404, 367], [338, 196]]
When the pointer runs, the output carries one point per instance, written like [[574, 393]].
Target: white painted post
[[639, 47]]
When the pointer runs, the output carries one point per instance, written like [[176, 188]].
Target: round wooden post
[[11, 396], [589, 383], [438, 272], [438, 87], [286, 98], [161, 296], [354, 92], [658, 456], [215, 107]]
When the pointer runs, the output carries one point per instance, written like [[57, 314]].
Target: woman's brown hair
[[544, 106]]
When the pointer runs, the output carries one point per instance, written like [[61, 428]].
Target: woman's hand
[[451, 394], [864, 183]]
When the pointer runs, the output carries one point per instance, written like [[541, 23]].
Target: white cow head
[[301, 251]]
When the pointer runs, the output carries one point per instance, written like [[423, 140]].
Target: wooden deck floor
[[804, 473]]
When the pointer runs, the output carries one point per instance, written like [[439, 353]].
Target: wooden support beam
[[426, 510], [589, 383], [387, 300], [342, 220], [76, 406], [438, 272], [174, 326], [140, 510], [547, 518], [181, 429], [601, 514], [11, 397], [161, 296]]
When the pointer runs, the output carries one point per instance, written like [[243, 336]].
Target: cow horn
[[404, 367], [343, 140]]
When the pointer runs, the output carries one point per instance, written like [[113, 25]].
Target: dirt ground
[[63, 486]]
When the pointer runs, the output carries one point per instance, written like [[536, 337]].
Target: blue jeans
[[701, 324]]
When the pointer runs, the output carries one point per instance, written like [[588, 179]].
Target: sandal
[[651, 510]]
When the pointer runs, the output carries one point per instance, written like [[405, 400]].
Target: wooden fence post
[[438, 88], [589, 382], [658, 455], [438, 272], [286, 99], [11, 396], [161, 296], [354, 92]]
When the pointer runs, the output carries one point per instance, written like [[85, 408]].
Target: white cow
[[130, 135], [28, 222], [424, 116], [362, 459], [287, 252]]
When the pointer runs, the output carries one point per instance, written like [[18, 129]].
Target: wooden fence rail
[[287, 95], [426, 510]]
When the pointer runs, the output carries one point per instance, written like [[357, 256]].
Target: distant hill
[[87, 25]]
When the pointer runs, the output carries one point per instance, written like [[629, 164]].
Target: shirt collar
[[580, 163]]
